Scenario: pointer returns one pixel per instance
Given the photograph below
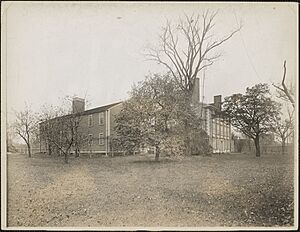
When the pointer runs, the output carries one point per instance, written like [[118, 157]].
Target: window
[[221, 129], [227, 131], [90, 120], [101, 139], [90, 139], [101, 118]]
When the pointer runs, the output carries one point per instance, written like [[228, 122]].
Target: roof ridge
[[99, 108]]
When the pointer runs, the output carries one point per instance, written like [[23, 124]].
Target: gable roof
[[86, 112], [99, 109]]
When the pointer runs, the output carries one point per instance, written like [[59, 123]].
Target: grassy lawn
[[221, 190]]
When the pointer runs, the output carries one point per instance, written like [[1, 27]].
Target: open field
[[221, 190]]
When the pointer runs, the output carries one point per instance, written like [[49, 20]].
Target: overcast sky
[[96, 49]]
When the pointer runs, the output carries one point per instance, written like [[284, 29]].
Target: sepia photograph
[[149, 115]]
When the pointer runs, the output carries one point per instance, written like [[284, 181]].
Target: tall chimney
[[218, 102], [78, 105], [196, 91]]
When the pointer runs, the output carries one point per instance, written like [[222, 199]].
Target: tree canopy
[[253, 113], [154, 114]]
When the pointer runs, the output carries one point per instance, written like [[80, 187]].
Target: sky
[[96, 50]]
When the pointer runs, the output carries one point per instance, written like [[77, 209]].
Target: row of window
[[101, 119], [101, 139], [219, 128], [220, 136]]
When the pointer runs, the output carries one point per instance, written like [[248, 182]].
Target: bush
[[200, 143]]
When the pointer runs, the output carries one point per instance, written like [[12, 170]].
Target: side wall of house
[[221, 136], [100, 130], [94, 131], [219, 132]]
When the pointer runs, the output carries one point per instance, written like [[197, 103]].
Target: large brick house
[[96, 124]]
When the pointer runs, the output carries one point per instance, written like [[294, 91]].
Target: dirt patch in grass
[[220, 190]]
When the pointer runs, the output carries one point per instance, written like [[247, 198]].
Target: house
[[96, 124], [217, 127]]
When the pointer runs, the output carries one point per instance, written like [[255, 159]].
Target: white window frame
[[221, 129], [227, 131], [90, 120], [101, 139], [101, 115]]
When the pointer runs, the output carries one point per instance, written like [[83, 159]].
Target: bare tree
[[195, 35], [9, 138], [59, 129], [283, 92], [284, 128], [25, 126]]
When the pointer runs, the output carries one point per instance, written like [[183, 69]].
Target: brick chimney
[[218, 102], [196, 91], [78, 105]]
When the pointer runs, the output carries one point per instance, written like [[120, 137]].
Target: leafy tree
[[253, 113], [146, 117], [128, 133]]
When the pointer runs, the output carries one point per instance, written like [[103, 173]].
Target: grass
[[221, 190]]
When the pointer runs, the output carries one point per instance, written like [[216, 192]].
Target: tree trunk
[[40, 143], [157, 153], [66, 157], [29, 150], [257, 147], [283, 146], [49, 149], [77, 152]]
